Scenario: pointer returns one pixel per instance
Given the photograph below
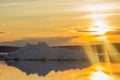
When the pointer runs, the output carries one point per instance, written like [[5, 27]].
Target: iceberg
[[42, 51]]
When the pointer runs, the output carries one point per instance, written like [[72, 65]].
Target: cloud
[[1, 32], [78, 29], [9, 4], [113, 33], [52, 41], [82, 31], [98, 15], [2, 24], [98, 6], [85, 31]]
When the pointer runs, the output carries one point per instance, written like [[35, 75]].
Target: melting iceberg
[[44, 52]]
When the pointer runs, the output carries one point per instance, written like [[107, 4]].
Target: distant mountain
[[99, 47], [8, 48], [2, 56], [73, 47]]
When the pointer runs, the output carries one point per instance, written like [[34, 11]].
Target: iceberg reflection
[[42, 68]]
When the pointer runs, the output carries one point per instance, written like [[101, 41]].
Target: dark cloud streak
[[85, 31], [113, 33], [1, 32]]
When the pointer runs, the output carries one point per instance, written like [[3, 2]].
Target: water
[[54, 70]]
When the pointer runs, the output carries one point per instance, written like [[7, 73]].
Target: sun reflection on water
[[99, 75]]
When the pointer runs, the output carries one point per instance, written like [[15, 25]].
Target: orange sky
[[69, 19]]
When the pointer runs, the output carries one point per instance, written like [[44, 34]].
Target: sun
[[99, 28]]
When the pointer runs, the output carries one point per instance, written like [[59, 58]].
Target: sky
[[58, 22]]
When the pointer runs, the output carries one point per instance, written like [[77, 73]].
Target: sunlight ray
[[91, 53]]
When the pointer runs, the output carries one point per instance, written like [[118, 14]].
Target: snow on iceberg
[[43, 51]]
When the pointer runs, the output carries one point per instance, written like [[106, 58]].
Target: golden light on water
[[100, 76], [99, 68], [101, 73]]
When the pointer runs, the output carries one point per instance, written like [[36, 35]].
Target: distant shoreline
[[49, 60], [2, 56]]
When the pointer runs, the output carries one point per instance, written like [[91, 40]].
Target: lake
[[58, 70]]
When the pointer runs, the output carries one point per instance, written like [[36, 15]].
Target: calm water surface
[[54, 70]]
